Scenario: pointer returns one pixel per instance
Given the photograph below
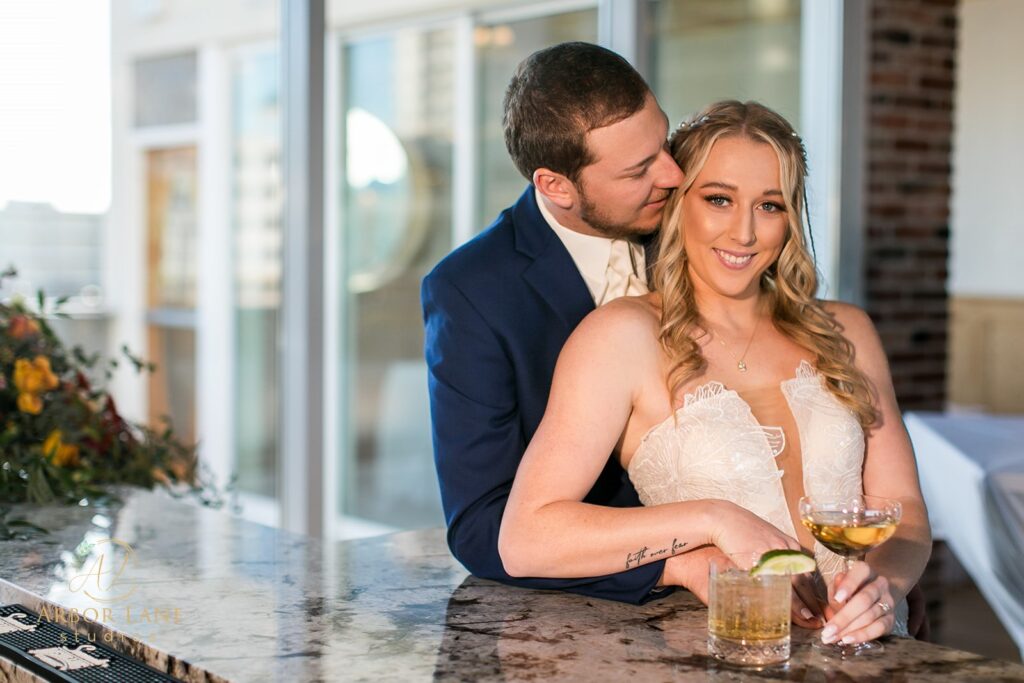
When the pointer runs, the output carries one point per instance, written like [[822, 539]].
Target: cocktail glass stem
[[838, 649]]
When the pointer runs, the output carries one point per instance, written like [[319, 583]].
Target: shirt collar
[[590, 253]]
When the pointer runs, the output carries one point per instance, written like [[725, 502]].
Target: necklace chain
[[741, 364]]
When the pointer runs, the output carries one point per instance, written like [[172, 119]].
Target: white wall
[[987, 240]]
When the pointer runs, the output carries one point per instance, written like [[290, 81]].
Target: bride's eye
[[717, 200]]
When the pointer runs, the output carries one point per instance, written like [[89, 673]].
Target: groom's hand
[[690, 570]]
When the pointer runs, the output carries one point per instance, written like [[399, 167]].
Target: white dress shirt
[[591, 253]]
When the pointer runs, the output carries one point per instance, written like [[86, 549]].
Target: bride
[[727, 393]]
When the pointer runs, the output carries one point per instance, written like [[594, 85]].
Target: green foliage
[[62, 438]]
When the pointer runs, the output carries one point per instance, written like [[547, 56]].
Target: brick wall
[[910, 78]]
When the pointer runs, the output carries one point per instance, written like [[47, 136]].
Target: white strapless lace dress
[[713, 447]]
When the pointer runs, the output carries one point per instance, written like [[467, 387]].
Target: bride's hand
[[738, 530], [741, 531], [863, 606]]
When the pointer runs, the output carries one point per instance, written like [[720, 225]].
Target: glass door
[[396, 214]]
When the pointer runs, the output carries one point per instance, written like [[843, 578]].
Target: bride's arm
[[547, 531], [890, 471]]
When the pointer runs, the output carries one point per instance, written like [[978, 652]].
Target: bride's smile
[[734, 217]]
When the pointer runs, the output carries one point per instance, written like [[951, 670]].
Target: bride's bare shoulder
[[627, 323], [629, 314], [854, 323]]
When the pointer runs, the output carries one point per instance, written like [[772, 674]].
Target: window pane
[[257, 278], [172, 388], [171, 210], [165, 90], [54, 250], [171, 234], [396, 223], [730, 49], [500, 48], [55, 160]]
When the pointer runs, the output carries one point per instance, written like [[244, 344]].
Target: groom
[[584, 128]]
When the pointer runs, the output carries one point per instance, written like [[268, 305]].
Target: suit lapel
[[552, 274]]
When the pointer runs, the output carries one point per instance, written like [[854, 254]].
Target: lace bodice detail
[[714, 447]]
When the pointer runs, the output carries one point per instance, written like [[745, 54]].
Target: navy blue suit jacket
[[497, 312]]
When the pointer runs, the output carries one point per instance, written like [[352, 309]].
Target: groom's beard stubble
[[595, 218]]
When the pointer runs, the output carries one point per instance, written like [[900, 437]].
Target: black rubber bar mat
[[55, 653]]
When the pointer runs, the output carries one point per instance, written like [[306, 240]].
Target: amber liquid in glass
[[748, 617], [851, 535]]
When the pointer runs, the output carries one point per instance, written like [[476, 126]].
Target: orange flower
[[35, 376], [30, 403], [60, 453], [32, 378], [22, 326]]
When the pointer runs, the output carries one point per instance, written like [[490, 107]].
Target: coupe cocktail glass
[[850, 527]]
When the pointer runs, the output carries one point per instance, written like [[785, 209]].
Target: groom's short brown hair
[[559, 94]]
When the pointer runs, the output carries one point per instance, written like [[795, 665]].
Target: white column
[[855, 124], [821, 89], [464, 163], [215, 358], [124, 282], [300, 465], [618, 28], [334, 296]]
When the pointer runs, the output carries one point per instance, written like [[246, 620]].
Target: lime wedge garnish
[[776, 562]]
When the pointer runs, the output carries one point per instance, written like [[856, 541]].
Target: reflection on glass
[[388, 195], [256, 174], [730, 49], [172, 388], [396, 223], [170, 295], [500, 48], [57, 251], [171, 209]]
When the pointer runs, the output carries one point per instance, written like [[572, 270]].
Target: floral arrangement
[[61, 436]]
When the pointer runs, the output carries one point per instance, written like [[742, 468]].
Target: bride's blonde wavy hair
[[790, 283]]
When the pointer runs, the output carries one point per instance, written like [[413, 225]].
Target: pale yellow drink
[[748, 616], [850, 527], [851, 534]]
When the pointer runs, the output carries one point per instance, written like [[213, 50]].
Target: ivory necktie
[[621, 277]]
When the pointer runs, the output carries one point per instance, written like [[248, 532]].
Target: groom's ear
[[558, 189]]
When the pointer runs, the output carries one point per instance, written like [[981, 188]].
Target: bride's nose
[[743, 230]]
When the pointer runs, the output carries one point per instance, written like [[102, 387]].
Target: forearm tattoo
[[636, 559]]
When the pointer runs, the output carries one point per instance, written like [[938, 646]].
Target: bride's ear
[[556, 188]]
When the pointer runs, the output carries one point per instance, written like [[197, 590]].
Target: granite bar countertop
[[209, 597]]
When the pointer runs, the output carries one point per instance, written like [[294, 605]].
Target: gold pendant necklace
[[741, 364]]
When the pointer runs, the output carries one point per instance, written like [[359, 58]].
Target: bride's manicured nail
[[806, 614], [841, 596], [846, 640], [828, 634]]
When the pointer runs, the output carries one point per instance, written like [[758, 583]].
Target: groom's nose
[[667, 172]]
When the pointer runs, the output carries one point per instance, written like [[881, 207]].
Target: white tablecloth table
[[972, 476]]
